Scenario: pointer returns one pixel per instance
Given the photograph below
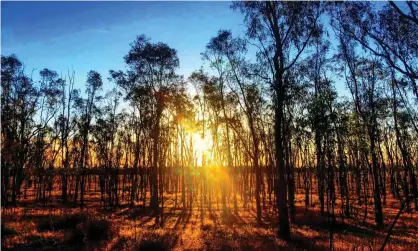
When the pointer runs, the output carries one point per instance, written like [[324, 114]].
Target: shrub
[[123, 243], [7, 231], [46, 224], [62, 223], [76, 237], [205, 227], [99, 230], [38, 242], [150, 245], [70, 222]]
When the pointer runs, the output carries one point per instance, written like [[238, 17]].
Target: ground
[[31, 226]]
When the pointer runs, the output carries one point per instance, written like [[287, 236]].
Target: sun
[[202, 147]]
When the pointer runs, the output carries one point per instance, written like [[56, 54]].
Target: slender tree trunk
[[154, 170], [281, 186]]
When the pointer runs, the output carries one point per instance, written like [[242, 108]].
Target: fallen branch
[[393, 224]]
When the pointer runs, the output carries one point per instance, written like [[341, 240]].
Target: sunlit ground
[[187, 229]]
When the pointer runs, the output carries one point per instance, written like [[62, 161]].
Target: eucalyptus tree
[[105, 133], [87, 108], [141, 101], [232, 52], [199, 79], [340, 119], [66, 125], [151, 67], [364, 79], [50, 92], [209, 100], [388, 33], [182, 110], [264, 122], [314, 69], [295, 98], [210, 106], [302, 140], [403, 118], [281, 31], [217, 63], [19, 103], [178, 110]]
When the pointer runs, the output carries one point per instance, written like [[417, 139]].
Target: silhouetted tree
[[280, 28]]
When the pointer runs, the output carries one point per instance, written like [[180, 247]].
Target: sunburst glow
[[202, 147]]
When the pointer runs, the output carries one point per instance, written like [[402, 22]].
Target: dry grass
[[124, 228]]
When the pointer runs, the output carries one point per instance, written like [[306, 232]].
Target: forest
[[258, 150]]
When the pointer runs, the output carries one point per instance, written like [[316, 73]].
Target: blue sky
[[96, 35], [88, 36]]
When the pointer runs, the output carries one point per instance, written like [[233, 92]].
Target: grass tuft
[[157, 242]]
